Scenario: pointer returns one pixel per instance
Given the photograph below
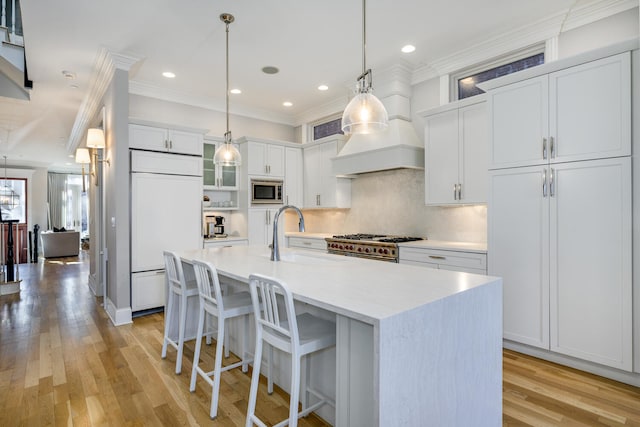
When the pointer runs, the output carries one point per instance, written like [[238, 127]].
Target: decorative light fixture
[[95, 138], [227, 154], [9, 199], [82, 157], [364, 113]]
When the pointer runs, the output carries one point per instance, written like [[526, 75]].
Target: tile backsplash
[[392, 202]]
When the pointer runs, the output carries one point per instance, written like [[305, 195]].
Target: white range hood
[[397, 147]]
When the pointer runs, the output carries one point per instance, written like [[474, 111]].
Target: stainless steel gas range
[[371, 246]]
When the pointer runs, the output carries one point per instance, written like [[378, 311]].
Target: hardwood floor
[[62, 362]]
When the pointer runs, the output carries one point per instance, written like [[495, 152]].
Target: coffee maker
[[218, 228]]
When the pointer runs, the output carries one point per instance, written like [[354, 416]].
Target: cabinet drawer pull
[[436, 257], [306, 243], [160, 272]]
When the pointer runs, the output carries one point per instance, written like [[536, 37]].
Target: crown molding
[[152, 91], [104, 67], [586, 14], [528, 35]]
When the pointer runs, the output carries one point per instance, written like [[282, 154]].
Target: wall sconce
[[82, 157], [95, 141]]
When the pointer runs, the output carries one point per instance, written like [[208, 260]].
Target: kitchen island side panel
[[441, 364]]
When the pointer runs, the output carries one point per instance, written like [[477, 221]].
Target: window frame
[[492, 63]]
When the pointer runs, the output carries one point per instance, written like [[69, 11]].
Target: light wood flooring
[[63, 363]]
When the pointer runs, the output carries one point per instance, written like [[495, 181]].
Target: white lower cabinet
[[469, 262], [223, 243], [560, 237], [309, 243], [260, 225], [147, 290]]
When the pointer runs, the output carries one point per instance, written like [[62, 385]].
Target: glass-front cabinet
[[217, 178]]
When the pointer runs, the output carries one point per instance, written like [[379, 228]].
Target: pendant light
[[365, 113], [227, 154], [9, 199]]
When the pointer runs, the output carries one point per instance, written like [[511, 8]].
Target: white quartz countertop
[[362, 289], [446, 245]]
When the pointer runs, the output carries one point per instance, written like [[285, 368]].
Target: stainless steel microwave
[[266, 192]]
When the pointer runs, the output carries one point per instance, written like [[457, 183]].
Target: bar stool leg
[[245, 345], [255, 378], [167, 324], [269, 370], [181, 327], [217, 370], [295, 391], [196, 354], [305, 373]]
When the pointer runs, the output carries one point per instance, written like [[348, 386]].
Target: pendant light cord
[[227, 135], [364, 37]]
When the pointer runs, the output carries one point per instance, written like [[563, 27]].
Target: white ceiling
[[312, 43]]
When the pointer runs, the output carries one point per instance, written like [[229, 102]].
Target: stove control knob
[[367, 250], [386, 251], [340, 247], [359, 249]]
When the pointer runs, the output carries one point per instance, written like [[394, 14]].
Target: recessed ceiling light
[[287, 103], [323, 87], [269, 69], [408, 48], [235, 91], [71, 156], [68, 74], [169, 74]]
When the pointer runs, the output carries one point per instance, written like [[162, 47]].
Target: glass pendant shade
[[364, 114], [9, 199], [227, 155]]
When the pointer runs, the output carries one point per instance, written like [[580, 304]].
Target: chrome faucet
[[275, 249]]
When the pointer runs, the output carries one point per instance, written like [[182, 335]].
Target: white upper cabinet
[[293, 177], [579, 113], [217, 177], [322, 189], [163, 139], [265, 159], [456, 144]]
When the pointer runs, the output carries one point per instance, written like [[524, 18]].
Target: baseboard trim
[[95, 287], [630, 378], [118, 316]]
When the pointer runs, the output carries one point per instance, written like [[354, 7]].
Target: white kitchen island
[[415, 346]]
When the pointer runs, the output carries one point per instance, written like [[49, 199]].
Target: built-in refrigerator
[[166, 210]]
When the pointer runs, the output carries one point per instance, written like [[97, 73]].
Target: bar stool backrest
[[279, 332], [173, 270], [207, 279]]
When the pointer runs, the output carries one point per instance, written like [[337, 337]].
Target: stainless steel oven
[[266, 192]]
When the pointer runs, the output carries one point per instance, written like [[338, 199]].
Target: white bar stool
[[181, 289], [297, 335], [223, 307]]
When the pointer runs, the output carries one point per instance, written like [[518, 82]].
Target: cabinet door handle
[[437, 257], [455, 191], [552, 148], [160, 272], [306, 243], [544, 183], [544, 148], [459, 191], [287, 199], [552, 184]]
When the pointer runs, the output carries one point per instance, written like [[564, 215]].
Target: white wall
[[619, 27]]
